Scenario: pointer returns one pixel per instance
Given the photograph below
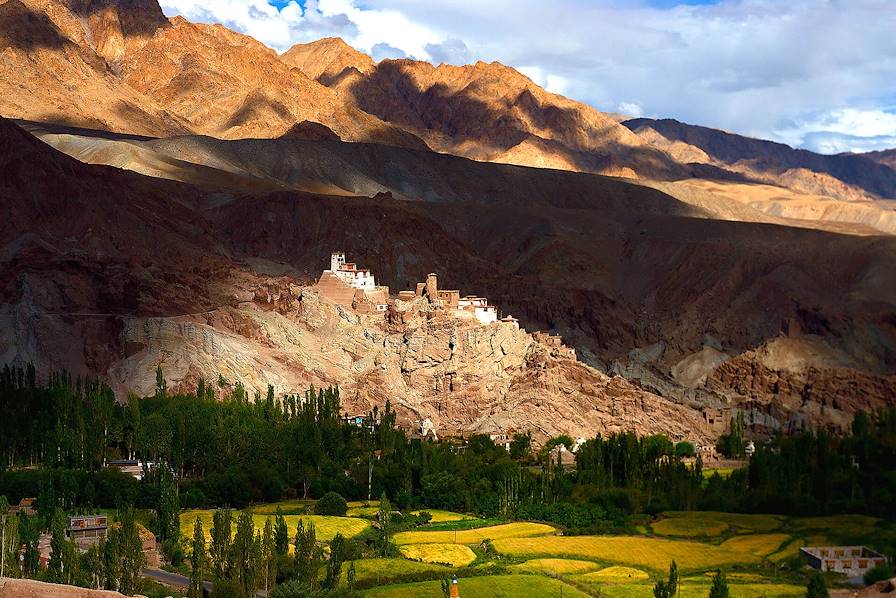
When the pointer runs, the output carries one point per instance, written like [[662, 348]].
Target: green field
[[497, 586], [743, 522], [391, 568], [454, 555], [474, 536], [690, 527]]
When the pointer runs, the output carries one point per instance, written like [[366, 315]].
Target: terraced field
[[390, 568], [498, 586], [652, 553], [474, 536], [556, 566], [689, 527], [679, 523], [455, 555]]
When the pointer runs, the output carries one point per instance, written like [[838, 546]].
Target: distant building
[[750, 449], [26, 506], [501, 439], [86, 530], [853, 561], [349, 273], [427, 427]]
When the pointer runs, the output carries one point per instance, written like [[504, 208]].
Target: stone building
[[852, 561], [86, 530]]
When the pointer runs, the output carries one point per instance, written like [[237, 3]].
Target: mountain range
[[690, 268]]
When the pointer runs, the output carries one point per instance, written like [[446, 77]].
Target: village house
[[86, 530], [852, 561], [26, 506]]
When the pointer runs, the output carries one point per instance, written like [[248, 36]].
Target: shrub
[[173, 551], [331, 503], [879, 573]]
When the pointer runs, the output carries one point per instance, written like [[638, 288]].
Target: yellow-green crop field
[[744, 522], [439, 516], [699, 590], [296, 506], [556, 566], [616, 574], [761, 545], [389, 568], [689, 527], [839, 525], [496, 586], [326, 527], [653, 553], [455, 555], [474, 536]]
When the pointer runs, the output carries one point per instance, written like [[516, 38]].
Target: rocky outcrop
[[29, 588]]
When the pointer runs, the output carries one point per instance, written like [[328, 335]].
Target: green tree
[[668, 588], [268, 555], [168, 508], [219, 549], [243, 559], [281, 533], [331, 503], [719, 587], [334, 565], [131, 553], [198, 561], [4, 516], [307, 554], [817, 588], [350, 577], [384, 521], [161, 385], [521, 445], [57, 563]]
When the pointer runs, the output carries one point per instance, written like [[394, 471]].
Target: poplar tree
[[281, 533], [242, 557], [334, 565], [307, 554], [222, 523], [719, 587], [198, 561]]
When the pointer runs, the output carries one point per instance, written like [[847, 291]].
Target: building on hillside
[[558, 349], [501, 439], [26, 506], [349, 273], [750, 449], [852, 561], [131, 467], [347, 285], [86, 530], [427, 428]]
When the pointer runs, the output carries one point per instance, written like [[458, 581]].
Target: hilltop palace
[[347, 285]]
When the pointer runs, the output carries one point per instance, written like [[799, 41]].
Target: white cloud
[[630, 109], [844, 130], [765, 68]]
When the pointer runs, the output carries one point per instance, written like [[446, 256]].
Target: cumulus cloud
[[764, 68], [450, 51], [382, 50]]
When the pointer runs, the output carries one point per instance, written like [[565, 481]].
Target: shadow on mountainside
[[24, 29]]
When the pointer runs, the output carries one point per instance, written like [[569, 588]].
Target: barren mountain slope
[[885, 157], [125, 272], [627, 274], [47, 75], [484, 111], [124, 66], [329, 60], [845, 176], [303, 162]]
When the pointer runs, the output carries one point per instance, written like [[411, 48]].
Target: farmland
[[455, 555], [536, 559], [523, 586], [475, 536], [326, 527]]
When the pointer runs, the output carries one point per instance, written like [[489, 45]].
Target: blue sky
[[819, 74]]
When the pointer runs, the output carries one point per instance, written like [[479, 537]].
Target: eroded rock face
[[29, 588]]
